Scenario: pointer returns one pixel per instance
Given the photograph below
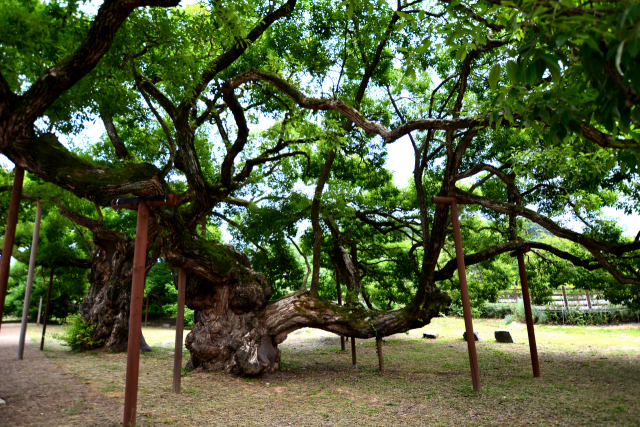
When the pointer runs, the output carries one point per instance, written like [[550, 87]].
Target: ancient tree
[[486, 110]]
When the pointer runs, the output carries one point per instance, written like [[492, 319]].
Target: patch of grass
[[590, 376]]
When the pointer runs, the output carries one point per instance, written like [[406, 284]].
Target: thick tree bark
[[107, 301], [239, 329]]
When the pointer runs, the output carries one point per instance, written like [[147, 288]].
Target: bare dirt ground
[[40, 393], [590, 377]]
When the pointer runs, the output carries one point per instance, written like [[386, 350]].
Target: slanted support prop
[[10, 235], [464, 289], [519, 253]]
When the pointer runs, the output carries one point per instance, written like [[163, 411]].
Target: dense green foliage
[[547, 91]]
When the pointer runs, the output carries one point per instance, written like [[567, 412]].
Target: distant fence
[[567, 296]]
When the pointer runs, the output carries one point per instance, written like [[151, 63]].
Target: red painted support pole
[[339, 289], [527, 312], [135, 317], [10, 235], [354, 363], [146, 311], [464, 294], [137, 295], [379, 347], [177, 357]]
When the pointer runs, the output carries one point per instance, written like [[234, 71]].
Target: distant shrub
[[572, 316], [591, 317], [78, 334], [495, 311], [172, 310]]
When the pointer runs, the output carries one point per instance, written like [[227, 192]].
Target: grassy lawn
[[590, 376]]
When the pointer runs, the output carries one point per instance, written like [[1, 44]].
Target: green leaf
[[494, 76], [512, 71]]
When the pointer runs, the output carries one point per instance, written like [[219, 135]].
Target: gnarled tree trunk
[[239, 329], [108, 298]]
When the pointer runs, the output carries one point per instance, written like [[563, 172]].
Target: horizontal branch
[[47, 158], [336, 104], [586, 241]]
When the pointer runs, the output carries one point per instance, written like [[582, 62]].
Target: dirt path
[[40, 393]]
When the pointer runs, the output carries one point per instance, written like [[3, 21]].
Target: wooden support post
[[177, 357], [354, 363], [588, 299], [466, 304], [135, 308], [515, 292], [379, 347], [10, 235], [46, 310], [464, 289], [39, 312], [146, 311], [27, 293], [564, 294], [137, 296], [527, 312], [339, 289]]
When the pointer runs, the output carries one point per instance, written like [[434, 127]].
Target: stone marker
[[503, 336], [430, 335], [475, 334], [166, 325]]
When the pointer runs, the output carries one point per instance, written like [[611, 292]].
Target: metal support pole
[[46, 310], [379, 346], [135, 317], [354, 363], [27, 292], [177, 357], [339, 289], [527, 312], [10, 235], [39, 312], [464, 293]]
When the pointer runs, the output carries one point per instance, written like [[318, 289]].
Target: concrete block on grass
[[430, 335]]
